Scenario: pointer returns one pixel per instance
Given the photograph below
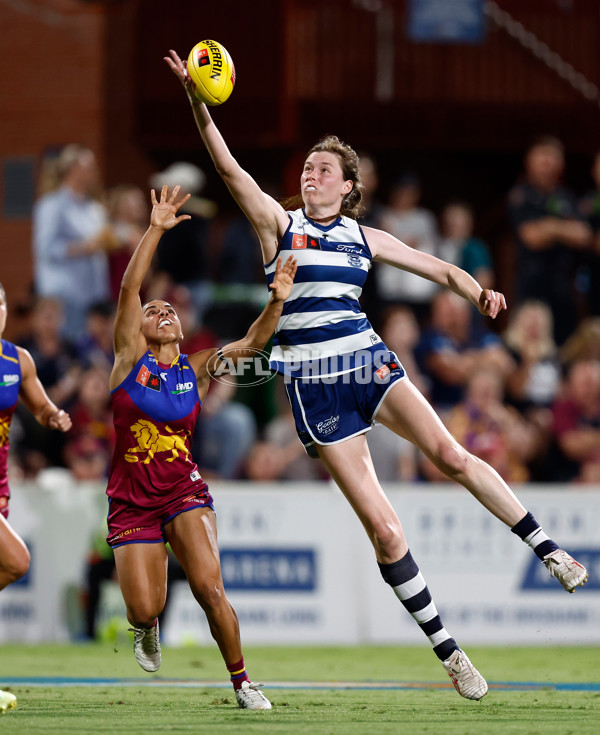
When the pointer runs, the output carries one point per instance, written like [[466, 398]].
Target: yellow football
[[212, 72]]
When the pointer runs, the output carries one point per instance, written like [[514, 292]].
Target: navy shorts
[[329, 410]]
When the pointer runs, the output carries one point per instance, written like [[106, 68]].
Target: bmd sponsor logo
[[537, 577], [269, 570]]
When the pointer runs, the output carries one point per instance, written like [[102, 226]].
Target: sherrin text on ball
[[211, 71]]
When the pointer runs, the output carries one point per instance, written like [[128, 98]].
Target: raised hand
[[164, 213], [179, 68], [281, 287], [491, 303]]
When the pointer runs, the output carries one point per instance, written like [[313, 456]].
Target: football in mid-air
[[211, 70]]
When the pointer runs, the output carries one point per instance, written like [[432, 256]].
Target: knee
[[143, 614], [387, 538], [210, 596], [451, 459], [16, 565]]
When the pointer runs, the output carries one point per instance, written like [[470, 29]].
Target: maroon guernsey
[[10, 382], [155, 412]]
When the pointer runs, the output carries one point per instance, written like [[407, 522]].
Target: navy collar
[[323, 228]]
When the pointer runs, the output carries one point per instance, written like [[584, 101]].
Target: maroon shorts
[[128, 524], [4, 506]]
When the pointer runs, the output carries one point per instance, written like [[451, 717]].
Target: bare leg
[[14, 556], [193, 538], [349, 464], [406, 412], [142, 573]]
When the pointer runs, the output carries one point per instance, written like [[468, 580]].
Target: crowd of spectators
[[524, 396]]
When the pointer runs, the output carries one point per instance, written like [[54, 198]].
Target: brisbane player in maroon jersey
[[18, 379], [156, 494]]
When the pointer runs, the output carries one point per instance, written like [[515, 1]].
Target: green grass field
[[137, 709]]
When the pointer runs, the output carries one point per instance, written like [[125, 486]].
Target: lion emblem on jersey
[[150, 440], [4, 431]]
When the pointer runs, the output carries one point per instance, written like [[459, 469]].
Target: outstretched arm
[[266, 215], [387, 249], [207, 362], [35, 397], [128, 319]]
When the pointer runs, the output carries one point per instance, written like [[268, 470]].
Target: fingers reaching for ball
[[163, 215], [208, 75], [177, 66]]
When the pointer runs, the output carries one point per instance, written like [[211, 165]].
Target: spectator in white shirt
[[69, 263]]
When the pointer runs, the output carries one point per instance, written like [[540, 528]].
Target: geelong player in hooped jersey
[[341, 377], [18, 379], [156, 494]]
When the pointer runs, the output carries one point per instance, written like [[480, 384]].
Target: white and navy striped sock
[[530, 531], [407, 582]]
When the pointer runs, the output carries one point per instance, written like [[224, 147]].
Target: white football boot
[[7, 701], [250, 696], [467, 681], [570, 573], [146, 646]]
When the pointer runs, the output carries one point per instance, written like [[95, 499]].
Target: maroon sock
[[238, 673]]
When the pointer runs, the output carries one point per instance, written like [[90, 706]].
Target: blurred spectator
[[533, 385], [58, 371], [128, 219], [196, 336], [415, 226], [53, 354], [583, 344], [458, 245], [87, 459], [548, 228], [240, 259], [69, 262], [96, 347], [450, 352], [577, 425], [225, 432], [492, 431], [371, 217], [280, 455], [90, 444], [91, 414], [590, 210], [400, 332], [369, 183], [396, 459], [183, 251]]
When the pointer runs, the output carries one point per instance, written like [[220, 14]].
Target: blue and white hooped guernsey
[[322, 330]]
